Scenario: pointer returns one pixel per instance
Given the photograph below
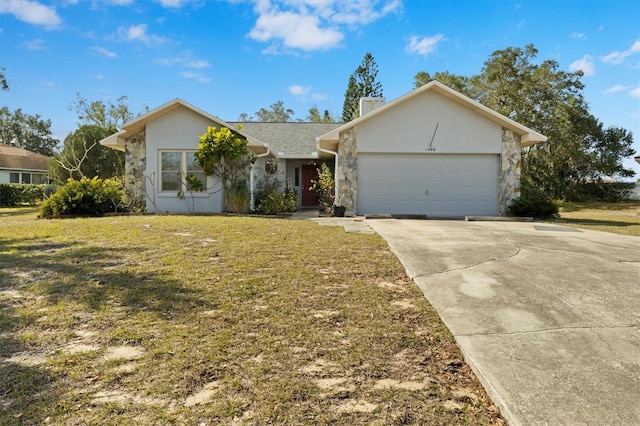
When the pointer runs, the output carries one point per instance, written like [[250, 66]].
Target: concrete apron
[[547, 316]]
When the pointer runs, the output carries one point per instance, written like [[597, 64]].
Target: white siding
[[178, 130], [410, 126]]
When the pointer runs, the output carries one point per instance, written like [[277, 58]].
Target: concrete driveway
[[548, 316]]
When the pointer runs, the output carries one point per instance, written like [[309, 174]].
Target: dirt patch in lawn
[[219, 320]]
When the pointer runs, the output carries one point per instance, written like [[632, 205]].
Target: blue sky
[[236, 56]]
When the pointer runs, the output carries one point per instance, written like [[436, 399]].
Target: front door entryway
[[309, 173]]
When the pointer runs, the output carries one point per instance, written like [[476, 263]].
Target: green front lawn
[[619, 218], [218, 320]]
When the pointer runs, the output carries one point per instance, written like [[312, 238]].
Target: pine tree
[[362, 83]]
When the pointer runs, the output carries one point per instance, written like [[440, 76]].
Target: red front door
[[309, 173]]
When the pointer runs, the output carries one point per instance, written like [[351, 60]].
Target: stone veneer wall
[[135, 166], [347, 172], [510, 164]]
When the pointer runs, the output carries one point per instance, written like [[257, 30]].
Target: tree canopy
[[3, 80], [25, 131], [550, 101], [83, 156], [363, 82], [277, 113], [315, 117]]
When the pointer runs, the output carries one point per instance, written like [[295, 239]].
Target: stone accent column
[[135, 166], [510, 164], [347, 172]]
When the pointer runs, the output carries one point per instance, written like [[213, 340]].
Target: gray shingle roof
[[291, 139], [15, 158]]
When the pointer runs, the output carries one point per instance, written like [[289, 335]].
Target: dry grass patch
[[219, 320], [618, 218]]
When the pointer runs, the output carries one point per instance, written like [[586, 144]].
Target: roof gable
[[135, 126], [528, 136], [15, 158]]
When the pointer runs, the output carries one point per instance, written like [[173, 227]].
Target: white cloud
[[614, 89], [313, 24], [295, 30], [617, 57], [195, 76], [96, 76], [139, 33], [298, 90], [173, 3], [585, 65], [635, 92], [184, 59], [119, 2], [577, 35], [37, 44], [423, 45], [104, 52], [31, 12], [304, 92]]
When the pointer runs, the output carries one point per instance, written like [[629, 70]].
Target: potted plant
[[339, 209]]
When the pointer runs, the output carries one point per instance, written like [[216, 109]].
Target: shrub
[[238, 197], [279, 202], [600, 191], [85, 197], [12, 194], [324, 187], [533, 203]]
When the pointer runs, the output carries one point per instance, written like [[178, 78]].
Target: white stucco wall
[[409, 128], [179, 130]]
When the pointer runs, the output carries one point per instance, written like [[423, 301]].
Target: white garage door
[[438, 185]]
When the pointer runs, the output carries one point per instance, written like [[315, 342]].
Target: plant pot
[[338, 211]]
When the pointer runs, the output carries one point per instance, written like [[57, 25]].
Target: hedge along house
[[19, 165], [159, 151], [432, 152]]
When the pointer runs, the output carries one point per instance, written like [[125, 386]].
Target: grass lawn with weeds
[[618, 218], [129, 320]]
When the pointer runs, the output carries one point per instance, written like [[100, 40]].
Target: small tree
[[324, 187], [224, 154]]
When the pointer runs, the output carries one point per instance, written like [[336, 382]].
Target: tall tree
[[105, 114], [314, 116], [277, 114], [550, 101], [3, 80], [458, 83], [26, 131], [363, 82], [83, 156]]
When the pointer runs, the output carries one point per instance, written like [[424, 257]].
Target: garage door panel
[[435, 185]]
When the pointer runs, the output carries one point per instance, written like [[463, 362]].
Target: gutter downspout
[[335, 173], [251, 176]]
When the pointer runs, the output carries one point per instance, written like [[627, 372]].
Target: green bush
[[277, 202], [13, 194], [324, 186], [533, 203], [600, 191], [85, 197], [238, 197]]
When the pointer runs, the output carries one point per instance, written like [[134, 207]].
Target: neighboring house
[[430, 152], [18, 165]]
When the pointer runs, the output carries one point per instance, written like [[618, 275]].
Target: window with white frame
[[24, 177], [175, 166]]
